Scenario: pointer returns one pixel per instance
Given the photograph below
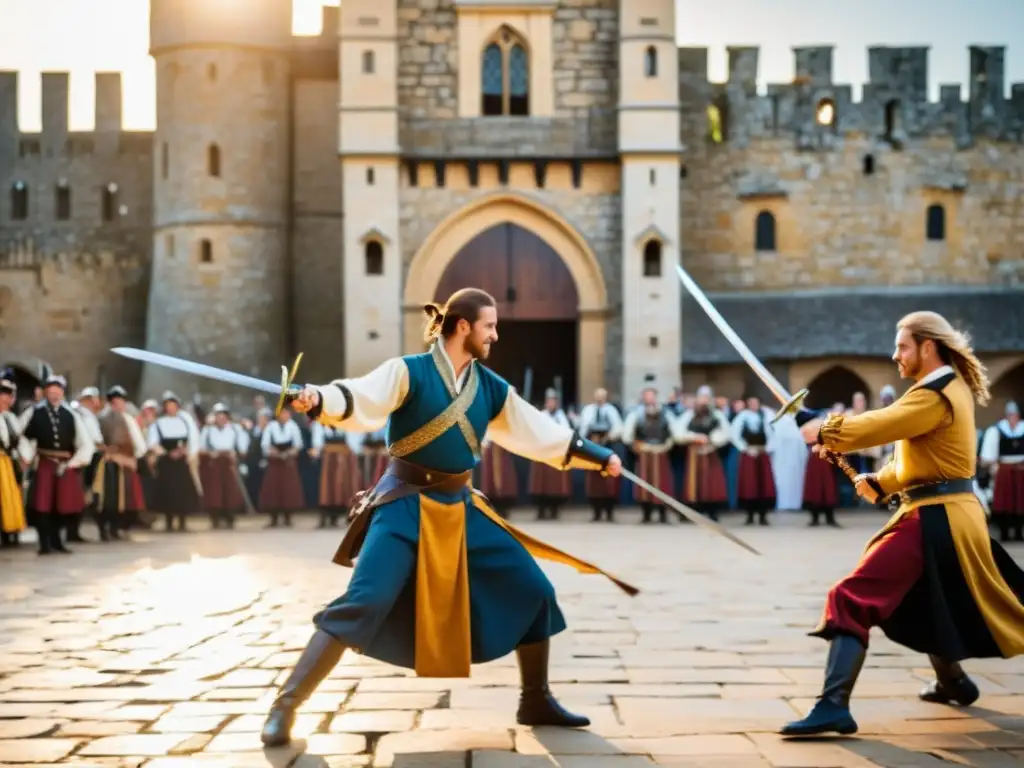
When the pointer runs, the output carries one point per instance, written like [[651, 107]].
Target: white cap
[[705, 391], [89, 392], [1012, 409]]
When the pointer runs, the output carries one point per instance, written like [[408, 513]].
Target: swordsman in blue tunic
[[442, 581]]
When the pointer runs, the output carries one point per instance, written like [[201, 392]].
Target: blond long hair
[[954, 349]]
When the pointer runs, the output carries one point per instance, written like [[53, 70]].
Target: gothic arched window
[[505, 75]]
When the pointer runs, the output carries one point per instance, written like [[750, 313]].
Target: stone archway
[[458, 229], [836, 384], [1009, 386]]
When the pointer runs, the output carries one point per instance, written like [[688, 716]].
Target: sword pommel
[[792, 406]]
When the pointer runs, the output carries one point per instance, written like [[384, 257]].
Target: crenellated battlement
[[56, 140], [894, 105]]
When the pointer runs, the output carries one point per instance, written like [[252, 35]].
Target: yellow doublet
[[936, 440]]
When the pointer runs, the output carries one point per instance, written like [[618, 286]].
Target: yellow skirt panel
[[12, 508]]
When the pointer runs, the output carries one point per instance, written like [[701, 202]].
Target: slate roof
[[847, 322]]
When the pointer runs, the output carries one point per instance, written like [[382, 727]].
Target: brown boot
[[322, 654], [536, 704]]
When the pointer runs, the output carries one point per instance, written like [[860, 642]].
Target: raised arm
[[524, 430], [918, 412], [363, 404]]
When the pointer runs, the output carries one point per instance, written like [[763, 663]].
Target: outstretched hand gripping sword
[[791, 404]]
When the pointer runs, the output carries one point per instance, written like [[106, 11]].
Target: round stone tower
[[219, 291]]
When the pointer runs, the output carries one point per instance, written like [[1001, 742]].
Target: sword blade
[[749, 357], [690, 514], [199, 369]]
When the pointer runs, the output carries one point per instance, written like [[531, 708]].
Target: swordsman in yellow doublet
[[12, 509], [442, 581], [932, 579]]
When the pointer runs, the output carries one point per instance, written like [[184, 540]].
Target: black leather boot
[[831, 714], [321, 655], [56, 544], [950, 686], [536, 704], [830, 518]]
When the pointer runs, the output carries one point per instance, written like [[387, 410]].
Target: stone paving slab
[[164, 652]]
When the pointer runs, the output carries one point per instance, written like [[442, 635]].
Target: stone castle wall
[[69, 307]]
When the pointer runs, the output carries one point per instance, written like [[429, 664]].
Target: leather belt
[[414, 474], [941, 488], [401, 478]]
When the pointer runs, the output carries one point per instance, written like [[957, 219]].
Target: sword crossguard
[[792, 406], [288, 389]]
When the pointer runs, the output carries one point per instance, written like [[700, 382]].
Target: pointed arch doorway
[[556, 321], [537, 307]]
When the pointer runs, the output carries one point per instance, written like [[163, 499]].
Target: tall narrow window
[[109, 202], [892, 118], [764, 232], [19, 201], [652, 259], [936, 223], [374, 255], [213, 161], [211, 72], [651, 62], [370, 179], [165, 160], [369, 63], [63, 200], [205, 252], [505, 76]]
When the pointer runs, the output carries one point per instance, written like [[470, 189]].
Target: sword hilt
[[792, 406], [288, 389]]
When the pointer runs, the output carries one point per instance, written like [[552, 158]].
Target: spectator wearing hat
[[57, 443], [223, 446], [12, 510], [117, 488], [174, 447]]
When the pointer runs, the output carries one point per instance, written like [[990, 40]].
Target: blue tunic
[[511, 600]]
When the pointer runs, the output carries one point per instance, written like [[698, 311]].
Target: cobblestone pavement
[[164, 652]]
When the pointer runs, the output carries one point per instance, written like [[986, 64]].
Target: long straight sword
[[685, 512], [791, 404]]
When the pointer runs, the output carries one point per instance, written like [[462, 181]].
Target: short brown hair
[[464, 304]]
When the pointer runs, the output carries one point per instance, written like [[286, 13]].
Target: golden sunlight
[[306, 15]]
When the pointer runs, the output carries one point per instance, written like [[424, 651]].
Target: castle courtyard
[[165, 651]]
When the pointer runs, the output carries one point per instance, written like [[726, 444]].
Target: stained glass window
[[492, 72], [505, 76]]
